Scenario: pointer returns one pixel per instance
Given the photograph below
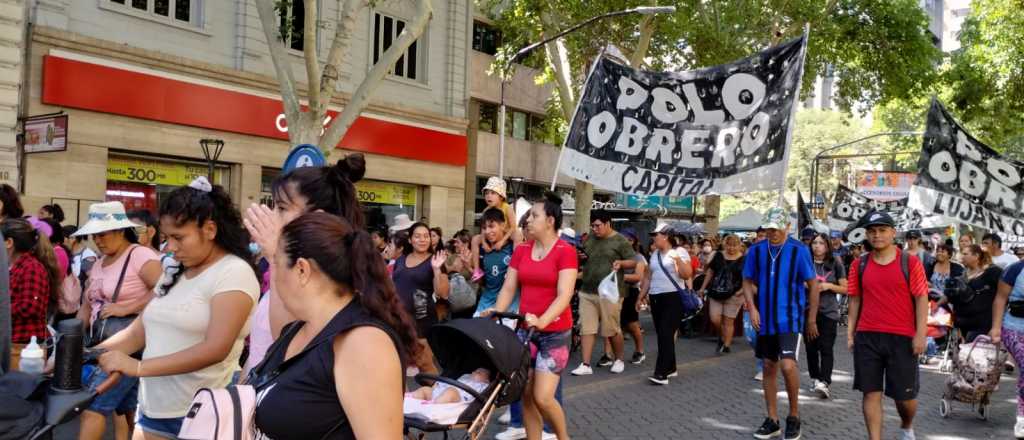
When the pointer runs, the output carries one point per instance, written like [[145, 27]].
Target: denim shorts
[[548, 350], [163, 427], [122, 398]]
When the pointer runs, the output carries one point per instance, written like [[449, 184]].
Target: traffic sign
[[304, 155]]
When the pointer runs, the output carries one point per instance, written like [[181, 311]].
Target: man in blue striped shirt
[[777, 269]]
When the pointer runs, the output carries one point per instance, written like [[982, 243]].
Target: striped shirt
[[779, 272]]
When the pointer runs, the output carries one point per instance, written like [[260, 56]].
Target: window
[[519, 124], [486, 38], [293, 23], [386, 30], [488, 118], [183, 11]]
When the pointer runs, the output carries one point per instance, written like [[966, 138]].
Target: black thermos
[[67, 371]]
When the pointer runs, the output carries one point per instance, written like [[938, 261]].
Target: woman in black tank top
[[337, 373]]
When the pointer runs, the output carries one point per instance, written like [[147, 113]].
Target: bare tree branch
[[312, 63], [387, 60], [283, 69], [350, 9]]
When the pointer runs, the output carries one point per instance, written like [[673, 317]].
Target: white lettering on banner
[[948, 205], [993, 183]]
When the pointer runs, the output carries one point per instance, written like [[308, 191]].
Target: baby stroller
[[462, 346], [31, 406], [977, 367]]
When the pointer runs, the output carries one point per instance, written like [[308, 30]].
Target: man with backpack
[[888, 323], [778, 269]]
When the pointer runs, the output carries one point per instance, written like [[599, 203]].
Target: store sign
[[78, 81], [130, 169], [46, 134], [884, 186], [673, 204], [372, 191]]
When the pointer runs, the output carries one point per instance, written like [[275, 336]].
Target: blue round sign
[[304, 155]]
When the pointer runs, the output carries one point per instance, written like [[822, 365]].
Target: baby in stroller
[[441, 392]]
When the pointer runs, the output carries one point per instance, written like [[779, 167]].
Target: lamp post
[[522, 53], [211, 151], [818, 157]]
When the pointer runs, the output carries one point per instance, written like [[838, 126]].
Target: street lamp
[[817, 157], [522, 53], [211, 151]]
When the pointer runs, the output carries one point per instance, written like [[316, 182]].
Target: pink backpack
[[221, 414], [70, 299]]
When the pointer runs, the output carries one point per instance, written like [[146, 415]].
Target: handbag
[[104, 328], [691, 302], [1016, 308], [230, 413]]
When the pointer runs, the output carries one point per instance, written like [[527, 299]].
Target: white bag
[[609, 288]]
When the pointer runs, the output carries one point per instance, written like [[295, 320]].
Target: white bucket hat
[[402, 222], [103, 217], [496, 184]]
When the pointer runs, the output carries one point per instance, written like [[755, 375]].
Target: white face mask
[[707, 249]]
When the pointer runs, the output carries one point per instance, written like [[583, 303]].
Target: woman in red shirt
[[544, 270]]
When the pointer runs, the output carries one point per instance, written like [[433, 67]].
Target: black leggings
[[820, 358], [667, 311]]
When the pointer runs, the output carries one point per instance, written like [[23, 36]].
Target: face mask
[[707, 249]]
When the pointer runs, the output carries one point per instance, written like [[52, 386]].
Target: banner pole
[[792, 117], [558, 163]]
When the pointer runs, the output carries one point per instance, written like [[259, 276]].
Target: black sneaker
[[792, 428], [638, 358], [726, 349], [605, 361], [769, 429], [658, 379]]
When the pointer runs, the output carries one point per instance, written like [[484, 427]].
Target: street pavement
[[715, 398]]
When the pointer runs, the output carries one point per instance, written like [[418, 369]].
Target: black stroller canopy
[[463, 345]]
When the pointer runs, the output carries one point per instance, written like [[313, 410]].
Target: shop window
[[382, 201], [267, 186], [293, 23], [177, 11], [142, 182], [386, 30], [486, 38], [488, 118]]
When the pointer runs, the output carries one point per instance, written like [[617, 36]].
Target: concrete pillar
[[12, 57], [469, 198]]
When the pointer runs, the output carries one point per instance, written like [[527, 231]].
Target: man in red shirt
[[888, 325]]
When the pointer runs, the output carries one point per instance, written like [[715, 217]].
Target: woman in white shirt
[[185, 348], [667, 273]]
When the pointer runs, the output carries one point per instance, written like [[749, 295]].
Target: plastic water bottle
[[33, 358]]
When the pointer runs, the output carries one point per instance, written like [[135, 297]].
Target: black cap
[[808, 232], [877, 218], [914, 233]]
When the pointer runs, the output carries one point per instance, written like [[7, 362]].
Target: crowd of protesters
[[305, 303]]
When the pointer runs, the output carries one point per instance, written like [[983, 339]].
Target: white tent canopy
[[746, 220]]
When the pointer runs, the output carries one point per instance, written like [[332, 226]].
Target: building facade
[[12, 53], [142, 81]]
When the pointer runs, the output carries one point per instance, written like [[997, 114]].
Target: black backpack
[[862, 264]]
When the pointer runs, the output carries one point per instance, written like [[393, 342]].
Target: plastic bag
[[461, 295], [609, 288]]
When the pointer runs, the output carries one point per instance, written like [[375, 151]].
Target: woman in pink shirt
[[117, 241]]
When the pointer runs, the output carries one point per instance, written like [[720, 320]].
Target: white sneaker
[[511, 434], [618, 366], [582, 370], [505, 417], [823, 390], [907, 434], [813, 385], [548, 436], [1018, 429], [759, 376]]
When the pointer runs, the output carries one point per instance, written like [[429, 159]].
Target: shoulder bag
[[691, 302], [104, 328]]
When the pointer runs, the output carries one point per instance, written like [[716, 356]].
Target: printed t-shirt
[[103, 280], [178, 321], [779, 273], [887, 304], [495, 265], [538, 280]]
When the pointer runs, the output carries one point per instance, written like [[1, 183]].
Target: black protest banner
[[849, 207], [964, 179], [720, 130]]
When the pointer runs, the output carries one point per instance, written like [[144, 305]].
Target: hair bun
[[353, 167], [552, 197]]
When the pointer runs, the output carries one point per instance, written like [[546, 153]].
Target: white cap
[[662, 228]]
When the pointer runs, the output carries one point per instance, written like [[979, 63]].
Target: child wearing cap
[[495, 197]]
